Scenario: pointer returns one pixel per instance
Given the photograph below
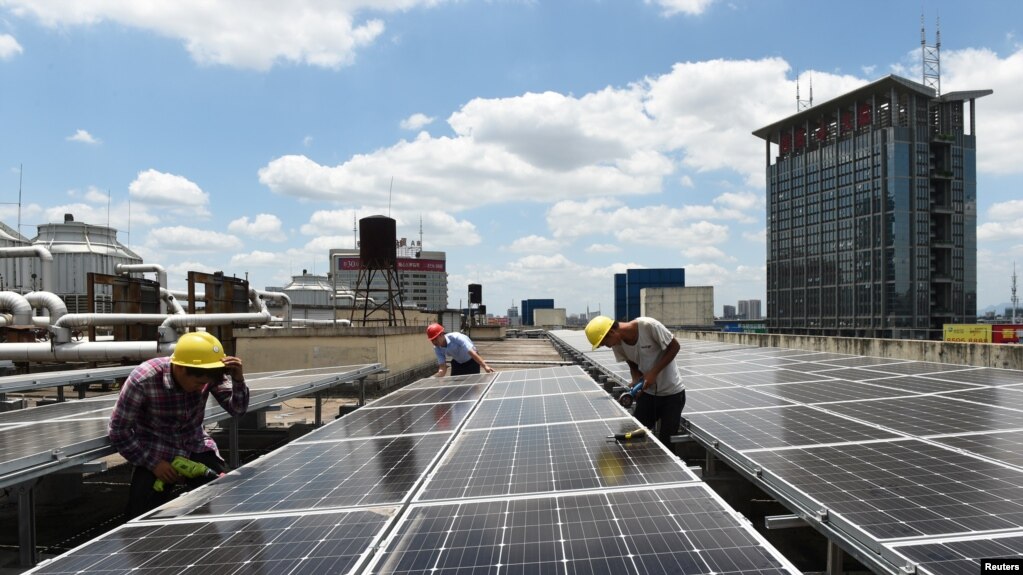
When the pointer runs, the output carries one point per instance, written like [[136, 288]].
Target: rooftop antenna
[[1015, 299], [931, 57], [803, 104]]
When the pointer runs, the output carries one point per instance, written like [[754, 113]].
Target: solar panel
[[828, 391], [785, 426], [416, 396], [920, 384], [1004, 446], [959, 555], [677, 529], [517, 411], [781, 375], [561, 457], [926, 415], [334, 542], [728, 398], [316, 475], [903, 488], [546, 381], [1007, 397], [402, 419]]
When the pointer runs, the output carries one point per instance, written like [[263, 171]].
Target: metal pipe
[[61, 329], [18, 306], [50, 301], [172, 302], [45, 258], [315, 322], [85, 351], [281, 297], [171, 326]]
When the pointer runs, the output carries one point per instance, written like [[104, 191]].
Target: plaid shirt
[[154, 419]]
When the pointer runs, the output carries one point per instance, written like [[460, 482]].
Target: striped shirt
[[154, 419]]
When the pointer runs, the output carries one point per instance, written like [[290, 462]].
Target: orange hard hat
[[434, 331]]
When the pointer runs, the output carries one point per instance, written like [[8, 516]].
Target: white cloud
[[995, 231], [238, 33], [191, 240], [707, 253], [307, 141], [1006, 211], [174, 192], [9, 47], [758, 236], [603, 249], [687, 7], [648, 225], [83, 137], [998, 119], [118, 215], [263, 226], [546, 147], [441, 230], [534, 244], [416, 121]]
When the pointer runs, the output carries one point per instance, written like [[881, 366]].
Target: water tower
[[378, 287]]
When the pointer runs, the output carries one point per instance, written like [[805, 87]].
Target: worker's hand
[[650, 379], [233, 368], [487, 368], [165, 472], [441, 371]]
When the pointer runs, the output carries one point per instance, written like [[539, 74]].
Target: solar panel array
[[500, 473], [919, 465]]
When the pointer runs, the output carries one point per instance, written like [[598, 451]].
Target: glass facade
[[871, 222]]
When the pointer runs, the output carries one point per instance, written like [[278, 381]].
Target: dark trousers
[[142, 497], [468, 368], [664, 408]]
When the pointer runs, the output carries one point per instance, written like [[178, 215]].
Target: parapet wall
[[1006, 356], [398, 348]]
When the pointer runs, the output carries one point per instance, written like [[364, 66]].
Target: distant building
[[742, 311], [423, 275], [530, 305], [871, 213], [729, 312], [550, 317], [754, 309], [513, 317], [629, 284]]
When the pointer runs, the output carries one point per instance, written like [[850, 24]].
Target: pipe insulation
[[51, 301], [85, 351], [19, 308], [45, 259]]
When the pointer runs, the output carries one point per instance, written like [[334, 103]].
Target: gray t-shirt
[[654, 338]]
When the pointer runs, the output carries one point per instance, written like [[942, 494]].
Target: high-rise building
[[754, 309], [729, 312], [531, 305], [742, 309], [871, 213]]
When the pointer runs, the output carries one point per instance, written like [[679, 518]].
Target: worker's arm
[[634, 371], [232, 394], [442, 370], [479, 359], [666, 358]]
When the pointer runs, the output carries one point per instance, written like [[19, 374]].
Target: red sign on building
[[404, 265]]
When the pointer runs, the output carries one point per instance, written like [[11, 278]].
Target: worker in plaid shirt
[[159, 415]]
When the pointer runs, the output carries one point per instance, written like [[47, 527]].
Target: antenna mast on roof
[[1015, 300], [931, 57], [803, 104], [355, 232]]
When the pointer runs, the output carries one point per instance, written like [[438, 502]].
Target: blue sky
[[544, 145]]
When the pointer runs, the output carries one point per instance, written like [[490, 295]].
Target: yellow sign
[[972, 333]]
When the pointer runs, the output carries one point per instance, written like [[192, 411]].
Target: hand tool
[[188, 469], [629, 397]]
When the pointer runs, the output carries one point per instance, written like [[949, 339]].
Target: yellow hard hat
[[597, 329], [198, 349]]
